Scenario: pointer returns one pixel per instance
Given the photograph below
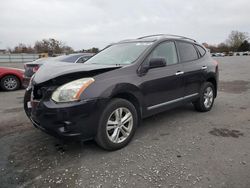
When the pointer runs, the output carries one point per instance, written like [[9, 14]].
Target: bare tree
[[222, 47], [236, 38], [52, 46], [22, 48]]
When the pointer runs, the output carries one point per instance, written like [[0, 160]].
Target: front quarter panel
[[113, 83]]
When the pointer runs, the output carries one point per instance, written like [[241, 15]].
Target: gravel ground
[[177, 148]]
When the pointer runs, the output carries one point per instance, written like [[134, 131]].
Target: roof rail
[[126, 40], [177, 36]]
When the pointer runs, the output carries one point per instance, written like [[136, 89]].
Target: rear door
[[163, 86], [192, 66]]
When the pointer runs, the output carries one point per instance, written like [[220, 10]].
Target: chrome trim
[[172, 101], [204, 67], [189, 96], [179, 73]]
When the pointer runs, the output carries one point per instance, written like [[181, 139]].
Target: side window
[[80, 60], [187, 52], [83, 59], [201, 50], [166, 50]]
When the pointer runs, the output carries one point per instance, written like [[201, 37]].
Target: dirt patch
[[11, 127], [236, 86], [164, 134], [12, 110], [243, 108], [226, 133]]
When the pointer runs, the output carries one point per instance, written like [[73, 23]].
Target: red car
[[11, 78]]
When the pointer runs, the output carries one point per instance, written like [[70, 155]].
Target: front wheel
[[117, 125], [206, 99]]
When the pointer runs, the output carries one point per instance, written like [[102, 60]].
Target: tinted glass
[[70, 58], [201, 50], [167, 51], [187, 52], [83, 59], [120, 54], [67, 58]]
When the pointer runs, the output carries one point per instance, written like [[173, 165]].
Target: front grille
[[39, 92]]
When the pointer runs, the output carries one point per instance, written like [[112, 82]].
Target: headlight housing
[[71, 91]]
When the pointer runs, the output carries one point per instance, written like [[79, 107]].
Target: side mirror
[[157, 62]]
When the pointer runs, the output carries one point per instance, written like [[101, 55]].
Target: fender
[[123, 88]]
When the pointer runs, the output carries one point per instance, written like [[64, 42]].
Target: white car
[[218, 54]]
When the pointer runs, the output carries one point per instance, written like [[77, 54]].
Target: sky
[[84, 24]]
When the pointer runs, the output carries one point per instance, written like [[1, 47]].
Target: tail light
[[215, 62], [35, 68], [216, 65]]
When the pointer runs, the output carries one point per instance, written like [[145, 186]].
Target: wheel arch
[[131, 98], [214, 82]]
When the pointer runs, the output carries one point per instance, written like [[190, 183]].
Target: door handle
[[179, 73], [204, 67]]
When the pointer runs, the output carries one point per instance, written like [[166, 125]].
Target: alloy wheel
[[10, 83], [119, 125], [208, 97]]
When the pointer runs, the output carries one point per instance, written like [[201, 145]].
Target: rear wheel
[[206, 99], [10, 83], [117, 125]]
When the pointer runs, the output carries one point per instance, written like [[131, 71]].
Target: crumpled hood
[[56, 69]]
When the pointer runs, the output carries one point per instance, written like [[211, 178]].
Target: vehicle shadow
[[148, 125]]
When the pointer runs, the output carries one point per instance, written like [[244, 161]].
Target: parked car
[[218, 54], [32, 67], [106, 97], [11, 78], [246, 53]]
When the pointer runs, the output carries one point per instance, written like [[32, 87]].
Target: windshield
[[120, 54]]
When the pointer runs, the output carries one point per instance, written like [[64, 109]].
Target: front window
[[120, 54], [167, 51]]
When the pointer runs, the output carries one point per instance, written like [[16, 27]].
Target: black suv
[[106, 97]]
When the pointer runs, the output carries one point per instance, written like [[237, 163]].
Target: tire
[[107, 133], [10, 83], [206, 99]]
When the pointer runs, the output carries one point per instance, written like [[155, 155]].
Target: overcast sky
[[95, 23]]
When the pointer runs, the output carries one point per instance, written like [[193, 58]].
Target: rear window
[[70, 58], [201, 50], [187, 52], [67, 58]]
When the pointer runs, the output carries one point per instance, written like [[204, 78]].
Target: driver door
[[163, 87]]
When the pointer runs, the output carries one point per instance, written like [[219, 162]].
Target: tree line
[[50, 46], [236, 42]]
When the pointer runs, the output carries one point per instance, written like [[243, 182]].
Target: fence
[[18, 58]]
